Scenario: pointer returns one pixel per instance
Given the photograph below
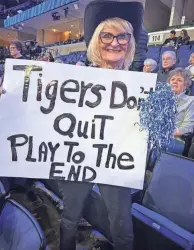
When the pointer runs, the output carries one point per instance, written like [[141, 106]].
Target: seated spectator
[[150, 66], [16, 49], [171, 41], [168, 64], [180, 81], [50, 57], [183, 39], [56, 53], [191, 66]]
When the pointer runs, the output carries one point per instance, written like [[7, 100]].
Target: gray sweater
[[185, 116]]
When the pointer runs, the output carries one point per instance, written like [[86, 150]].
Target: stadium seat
[[171, 186], [153, 52], [19, 230], [183, 54], [167, 206], [73, 57], [192, 49]]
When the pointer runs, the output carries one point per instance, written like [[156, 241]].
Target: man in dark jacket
[[140, 52], [168, 64], [171, 41]]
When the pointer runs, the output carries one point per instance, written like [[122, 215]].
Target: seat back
[[154, 53], [171, 190], [19, 230], [183, 55]]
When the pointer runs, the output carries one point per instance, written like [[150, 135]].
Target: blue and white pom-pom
[[158, 116]]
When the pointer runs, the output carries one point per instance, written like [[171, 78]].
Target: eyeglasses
[[122, 39]]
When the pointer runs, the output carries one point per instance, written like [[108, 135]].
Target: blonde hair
[[190, 57], [93, 52]]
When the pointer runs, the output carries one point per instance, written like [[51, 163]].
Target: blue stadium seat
[[153, 52], [167, 206], [19, 230], [192, 49], [169, 48], [183, 55], [74, 57]]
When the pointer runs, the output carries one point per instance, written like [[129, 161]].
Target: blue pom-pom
[[158, 115]]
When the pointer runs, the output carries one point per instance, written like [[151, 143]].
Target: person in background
[[180, 81], [56, 53], [172, 40], [140, 51], [16, 49], [191, 69], [191, 66], [150, 66], [50, 57], [183, 39], [168, 64], [110, 30]]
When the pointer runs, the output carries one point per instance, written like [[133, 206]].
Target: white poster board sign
[[73, 123]]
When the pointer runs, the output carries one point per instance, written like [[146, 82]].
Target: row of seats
[[183, 54], [73, 57], [154, 52]]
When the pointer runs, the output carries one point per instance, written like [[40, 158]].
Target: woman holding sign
[[110, 30]]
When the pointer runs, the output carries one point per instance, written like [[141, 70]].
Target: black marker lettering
[[93, 129], [78, 157], [132, 102], [39, 89], [109, 156], [28, 69], [71, 145], [84, 88], [70, 90], [100, 148], [122, 87], [125, 157], [14, 144], [103, 123], [69, 131], [43, 152], [53, 150], [96, 91], [82, 132], [52, 97], [53, 171], [30, 149], [85, 171], [74, 173]]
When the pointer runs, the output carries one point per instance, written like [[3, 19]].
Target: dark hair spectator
[[171, 41], [50, 57], [184, 38], [173, 32], [16, 49]]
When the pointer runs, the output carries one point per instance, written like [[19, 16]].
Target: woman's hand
[[177, 132]]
